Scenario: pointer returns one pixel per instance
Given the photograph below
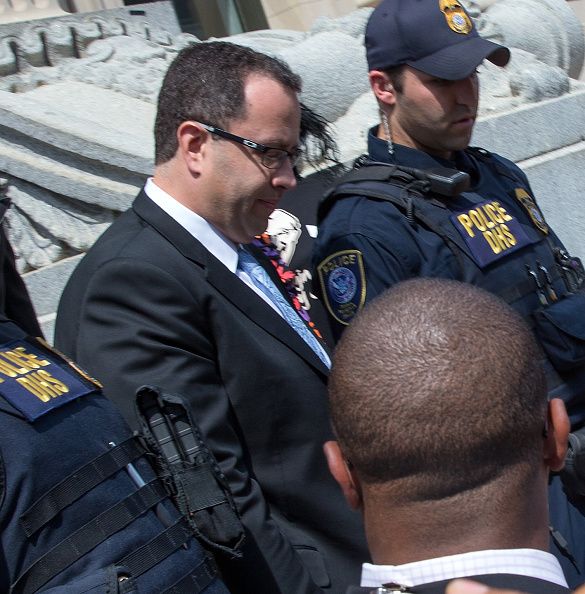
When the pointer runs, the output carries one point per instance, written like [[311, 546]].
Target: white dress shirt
[[526, 562]]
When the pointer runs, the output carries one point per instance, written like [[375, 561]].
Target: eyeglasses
[[271, 157]]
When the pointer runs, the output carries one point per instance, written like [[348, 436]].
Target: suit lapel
[[227, 283]]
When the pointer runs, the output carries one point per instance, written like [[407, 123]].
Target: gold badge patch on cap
[[455, 16]]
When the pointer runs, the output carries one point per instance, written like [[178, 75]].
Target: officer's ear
[[382, 87], [192, 139], [556, 435], [342, 472]]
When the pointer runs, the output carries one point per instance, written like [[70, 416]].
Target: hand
[[463, 586]]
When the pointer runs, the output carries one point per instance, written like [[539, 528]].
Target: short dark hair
[[205, 82], [439, 385], [396, 76]]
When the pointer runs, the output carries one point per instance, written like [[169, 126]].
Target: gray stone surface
[[156, 16], [45, 287], [333, 67], [547, 29], [535, 129]]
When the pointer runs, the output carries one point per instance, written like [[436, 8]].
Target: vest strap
[[159, 548], [89, 536], [418, 208], [197, 580], [78, 484]]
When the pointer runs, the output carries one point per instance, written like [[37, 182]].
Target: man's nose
[[284, 176], [467, 90]]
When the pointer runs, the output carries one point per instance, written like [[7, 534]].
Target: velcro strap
[[201, 488], [158, 549], [88, 537], [78, 484], [197, 580]]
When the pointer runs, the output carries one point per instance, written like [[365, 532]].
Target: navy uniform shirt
[[494, 236], [388, 248]]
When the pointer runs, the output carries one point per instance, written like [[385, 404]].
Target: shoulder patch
[[343, 284], [530, 206], [35, 379]]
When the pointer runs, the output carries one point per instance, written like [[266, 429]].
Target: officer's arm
[[150, 329], [351, 270]]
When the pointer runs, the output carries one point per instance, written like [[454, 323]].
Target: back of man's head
[[437, 391], [206, 83]]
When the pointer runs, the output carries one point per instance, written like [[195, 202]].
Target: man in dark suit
[[179, 293], [449, 452]]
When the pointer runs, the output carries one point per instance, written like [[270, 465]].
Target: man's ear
[[557, 435], [192, 139], [382, 87], [339, 468]]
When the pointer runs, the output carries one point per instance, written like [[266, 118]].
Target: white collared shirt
[[214, 241], [527, 562]]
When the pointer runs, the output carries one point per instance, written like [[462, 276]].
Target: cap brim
[[458, 61]]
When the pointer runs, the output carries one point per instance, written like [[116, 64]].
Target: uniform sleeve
[[372, 266], [150, 330]]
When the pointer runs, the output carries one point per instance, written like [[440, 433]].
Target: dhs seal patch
[[529, 205], [343, 284]]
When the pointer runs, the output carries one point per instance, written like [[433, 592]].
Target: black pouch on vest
[[561, 330], [184, 461]]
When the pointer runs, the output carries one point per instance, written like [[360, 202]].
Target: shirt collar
[[213, 240], [527, 562]]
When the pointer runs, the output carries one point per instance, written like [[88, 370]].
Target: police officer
[[81, 509], [381, 224]]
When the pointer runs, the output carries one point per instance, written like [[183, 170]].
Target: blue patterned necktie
[[262, 280]]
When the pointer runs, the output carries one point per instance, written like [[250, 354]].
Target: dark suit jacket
[[506, 581], [149, 304]]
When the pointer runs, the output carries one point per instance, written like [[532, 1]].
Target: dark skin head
[[448, 436]]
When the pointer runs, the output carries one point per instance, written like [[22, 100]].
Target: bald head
[[438, 384]]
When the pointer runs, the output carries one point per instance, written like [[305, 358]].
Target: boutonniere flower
[[286, 275]]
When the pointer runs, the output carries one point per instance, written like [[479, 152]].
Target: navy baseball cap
[[437, 37]]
